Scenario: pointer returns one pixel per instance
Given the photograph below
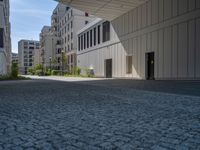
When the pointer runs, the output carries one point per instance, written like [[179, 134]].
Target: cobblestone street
[[44, 114]]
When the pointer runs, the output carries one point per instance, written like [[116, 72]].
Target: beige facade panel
[[168, 28]]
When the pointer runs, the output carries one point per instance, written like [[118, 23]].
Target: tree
[[14, 70]]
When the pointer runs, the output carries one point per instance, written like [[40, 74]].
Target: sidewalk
[[66, 79]]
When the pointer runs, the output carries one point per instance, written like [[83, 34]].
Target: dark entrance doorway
[[150, 66], [108, 68]]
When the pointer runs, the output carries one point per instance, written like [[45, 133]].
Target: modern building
[[60, 38], [26, 49], [70, 23], [37, 59], [48, 47], [15, 58], [151, 39], [5, 40]]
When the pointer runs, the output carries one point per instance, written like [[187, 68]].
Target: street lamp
[[62, 62], [50, 63]]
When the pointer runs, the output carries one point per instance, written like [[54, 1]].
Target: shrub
[[56, 72], [75, 71], [14, 70], [31, 71], [48, 73], [89, 72], [39, 72]]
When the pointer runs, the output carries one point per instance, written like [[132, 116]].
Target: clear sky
[[28, 17]]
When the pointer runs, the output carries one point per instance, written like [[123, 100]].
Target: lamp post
[[62, 62], [50, 63]]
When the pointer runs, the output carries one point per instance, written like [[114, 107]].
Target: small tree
[[14, 70]]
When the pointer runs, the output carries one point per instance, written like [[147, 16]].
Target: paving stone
[[41, 114]]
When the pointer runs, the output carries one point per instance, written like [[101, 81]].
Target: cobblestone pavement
[[41, 114]]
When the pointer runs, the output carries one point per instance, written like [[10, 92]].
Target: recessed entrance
[[108, 68], [150, 66]]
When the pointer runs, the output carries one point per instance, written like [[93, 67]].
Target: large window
[[79, 43], [90, 38], [84, 40], [99, 34], [94, 36], [1, 38], [106, 31]]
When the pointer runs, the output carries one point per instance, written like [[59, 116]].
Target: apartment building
[[156, 39], [60, 38], [71, 22], [15, 58], [48, 47], [26, 49], [5, 40]]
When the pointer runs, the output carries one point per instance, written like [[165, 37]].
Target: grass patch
[[6, 78]]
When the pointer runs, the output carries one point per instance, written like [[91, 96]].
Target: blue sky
[[28, 17]]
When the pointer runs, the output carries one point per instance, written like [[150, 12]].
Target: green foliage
[[38, 67], [90, 73], [9, 77], [31, 71], [56, 72], [35, 70], [48, 73], [75, 71], [38, 72], [14, 70]]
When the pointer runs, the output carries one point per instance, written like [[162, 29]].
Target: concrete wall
[[5, 51], [170, 28]]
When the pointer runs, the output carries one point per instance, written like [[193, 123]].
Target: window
[[31, 47], [71, 24], [87, 39], [84, 40], [68, 37], [67, 8], [71, 58], [99, 34], [72, 46], [86, 14], [68, 48], [106, 31], [71, 35], [1, 38], [79, 43], [90, 38], [94, 36], [128, 64], [86, 22], [58, 59]]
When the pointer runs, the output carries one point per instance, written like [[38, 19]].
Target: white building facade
[[48, 47], [159, 39], [26, 50], [5, 40], [71, 22]]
